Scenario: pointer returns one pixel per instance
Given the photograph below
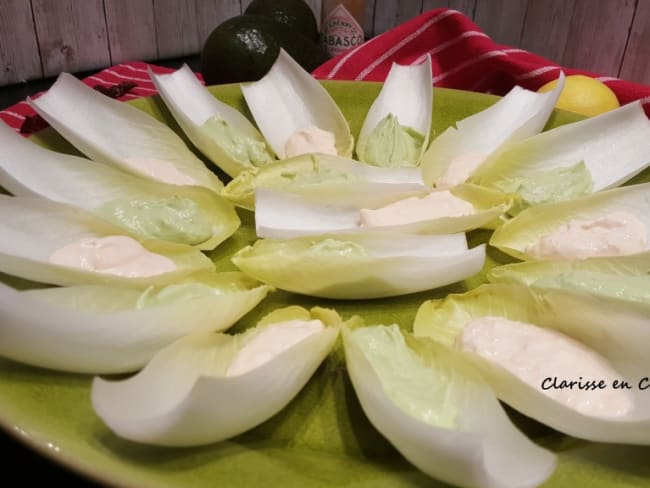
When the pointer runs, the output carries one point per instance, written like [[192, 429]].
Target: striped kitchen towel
[[463, 57], [124, 82]]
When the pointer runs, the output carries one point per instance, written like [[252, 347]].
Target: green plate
[[322, 438]]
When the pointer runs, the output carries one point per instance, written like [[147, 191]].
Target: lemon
[[584, 95]]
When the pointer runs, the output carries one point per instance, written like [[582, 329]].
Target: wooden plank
[[176, 28], [131, 30], [502, 20], [599, 30], [389, 13], [211, 13], [19, 56], [636, 59], [547, 27], [315, 6], [467, 7], [71, 35], [431, 4], [369, 19]]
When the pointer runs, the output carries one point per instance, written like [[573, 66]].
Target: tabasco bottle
[[341, 26]]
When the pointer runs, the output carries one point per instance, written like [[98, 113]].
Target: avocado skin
[[294, 13], [245, 47]]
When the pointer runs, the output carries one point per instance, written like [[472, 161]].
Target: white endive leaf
[[407, 94], [516, 236], [518, 115], [112, 132], [616, 331], [288, 99], [219, 131], [437, 411], [614, 147], [325, 178], [280, 215], [33, 229], [624, 278], [361, 265], [106, 329], [185, 397], [152, 210]]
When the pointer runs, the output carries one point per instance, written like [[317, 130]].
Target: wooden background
[[41, 38]]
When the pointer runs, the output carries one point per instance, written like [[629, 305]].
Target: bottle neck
[[340, 28]]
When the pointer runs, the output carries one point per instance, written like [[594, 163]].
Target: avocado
[[294, 13], [245, 47]]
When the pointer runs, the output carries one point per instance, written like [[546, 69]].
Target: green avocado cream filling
[[632, 288], [420, 391], [174, 219], [553, 185], [334, 247], [390, 144], [153, 297], [243, 149], [244, 185]]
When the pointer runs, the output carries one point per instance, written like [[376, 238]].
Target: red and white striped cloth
[[463, 57], [135, 72]]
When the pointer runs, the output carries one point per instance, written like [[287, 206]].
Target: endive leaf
[[616, 331], [625, 278], [80, 328], [112, 132], [281, 215], [396, 129], [220, 132], [288, 99], [152, 210], [33, 229], [435, 409], [361, 265], [613, 147], [518, 115], [325, 178], [186, 397], [517, 236]]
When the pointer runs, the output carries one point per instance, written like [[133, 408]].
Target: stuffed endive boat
[[570, 360], [281, 215], [325, 178], [151, 210], [361, 265], [55, 243], [396, 129], [102, 329], [573, 160], [208, 387], [457, 153], [295, 114], [116, 133], [219, 131], [606, 224], [433, 406]]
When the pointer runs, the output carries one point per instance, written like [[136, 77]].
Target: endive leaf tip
[[279, 117], [477, 454], [400, 114]]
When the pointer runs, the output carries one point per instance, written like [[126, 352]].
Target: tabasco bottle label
[[340, 31]]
